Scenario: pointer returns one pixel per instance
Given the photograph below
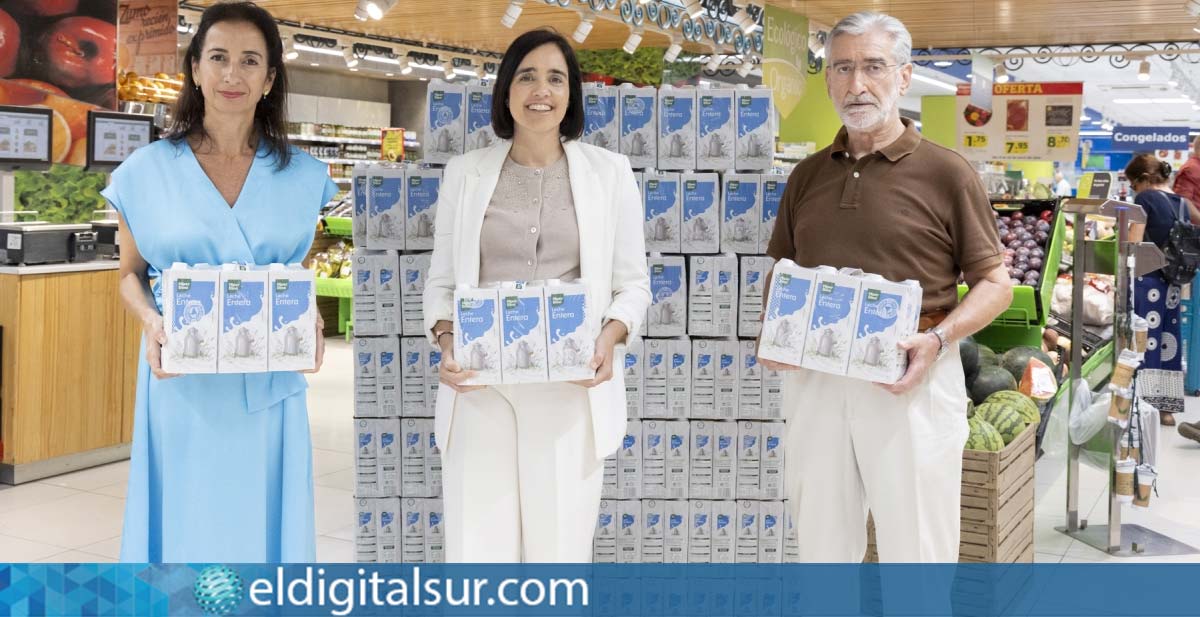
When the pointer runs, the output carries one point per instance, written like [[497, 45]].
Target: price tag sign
[[1016, 147], [1056, 142], [392, 145], [975, 141]]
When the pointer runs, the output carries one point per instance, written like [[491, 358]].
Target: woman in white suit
[[523, 464]]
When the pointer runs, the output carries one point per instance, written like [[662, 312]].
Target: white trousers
[[853, 446], [520, 478]]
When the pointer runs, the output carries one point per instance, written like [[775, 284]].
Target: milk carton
[[700, 530], [741, 209], [433, 460], [716, 129], [293, 302], [791, 538], [750, 376], [701, 213], [600, 127], [675, 533], [366, 531], [413, 530], [388, 538], [770, 532], [388, 460], [772, 395], [445, 122], [654, 458], [724, 531], [480, 133], [679, 378], [773, 187], [752, 291], [725, 460], [771, 465], [755, 131], [653, 523], [677, 475], [414, 269], [725, 296], [190, 316], [432, 380], [385, 209], [887, 313], [704, 360], [571, 331], [412, 460], [658, 361], [664, 215], [422, 187], [358, 194], [639, 139], [629, 462], [702, 283], [676, 128], [414, 356], [668, 311], [747, 531], [244, 326], [477, 333], [701, 466], [629, 531], [366, 377], [369, 267], [366, 458], [388, 379], [604, 540], [725, 384], [608, 487], [749, 465], [435, 535], [634, 366], [523, 334], [831, 329], [789, 308]]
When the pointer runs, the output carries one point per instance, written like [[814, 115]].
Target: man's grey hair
[[863, 22]]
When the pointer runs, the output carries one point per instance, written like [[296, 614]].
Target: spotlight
[[348, 54], [360, 14], [673, 50], [1144, 70], [634, 40], [693, 8], [376, 9], [512, 14], [1001, 74], [289, 49], [742, 19], [714, 62], [943, 63], [408, 68], [746, 68], [583, 29], [448, 69]]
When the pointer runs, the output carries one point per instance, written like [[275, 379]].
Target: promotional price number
[[1016, 147], [1058, 141], [975, 141]]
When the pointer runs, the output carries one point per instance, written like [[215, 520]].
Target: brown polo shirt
[[912, 210]]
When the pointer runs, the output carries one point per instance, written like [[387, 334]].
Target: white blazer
[[612, 260]]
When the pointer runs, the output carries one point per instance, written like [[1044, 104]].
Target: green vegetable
[[65, 194]]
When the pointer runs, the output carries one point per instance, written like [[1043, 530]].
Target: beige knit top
[[529, 229]]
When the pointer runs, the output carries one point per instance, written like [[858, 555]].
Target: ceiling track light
[[289, 49], [744, 20], [512, 14], [746, 68], [448, 69], [1144, 70], [1001, 74], [634, 40], [584, 28], [351, 59], [693, 8], [714, 63], [408, 68], [673, 51], [376, 9]]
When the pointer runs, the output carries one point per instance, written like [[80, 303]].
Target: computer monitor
[[26, 137], [113, 136]]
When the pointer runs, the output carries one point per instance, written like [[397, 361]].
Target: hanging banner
[[785, 57], [1027, 122], [149, 39], [1149, 138]]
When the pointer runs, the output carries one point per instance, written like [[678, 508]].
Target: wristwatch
[[437, 334], [943, 340]]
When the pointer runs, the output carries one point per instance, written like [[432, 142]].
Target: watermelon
[[1016, 359], [983, 436], [1026, 408], [969, 351], [991, 379], [1004, 417], [970, 409], [987, 357]]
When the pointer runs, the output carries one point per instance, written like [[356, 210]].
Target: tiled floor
[[77, 517]]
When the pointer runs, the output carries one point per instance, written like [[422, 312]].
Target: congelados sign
[[1146, 138]]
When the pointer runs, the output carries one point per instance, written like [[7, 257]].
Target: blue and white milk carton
[[191, 315], [414, 269], [657, 359], [725, 458], [831, 327], [751, 291], [432, 379], [388, 380], [887, 314], [653, 522], [724, 532], [755, 129], [629, 531], [293, 298], [366, 457], [433, 459], [387, 515], [771, 531], [413, 532], [700, 531], [634, 367], [676, 128], [358, 194], [679, 378], [750, 380], [704, 360], [701, 466], [662, 201], [675, 532], [477, 333], [712, 295], [716, 129], [604, 540], [747, 531], [388, 430], [629, 462], [435, 534], [654, 453], [600, 126], [668, 310], [789, 307], [244, 326], [412, 458], [571, 331], [385, 210], [749, 463], [414, 357], [741, 211], [480, 133], [445, 122], [773, 186], [677, 472], [639, 137], [366, 382], [726, 381], [770, 478], [523, 333], [377, 308], [421, 196], [701, 213], [366, 531]]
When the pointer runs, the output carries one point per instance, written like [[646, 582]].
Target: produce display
[[999, 411], [161, 88], [1025, 240], [333, 263]]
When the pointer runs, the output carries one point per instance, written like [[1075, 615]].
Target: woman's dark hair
[[270, 116], [1147, 168], [571, 126]]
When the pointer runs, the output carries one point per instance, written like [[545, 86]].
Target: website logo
[[219, 590]]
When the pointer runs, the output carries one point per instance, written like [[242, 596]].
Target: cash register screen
[[114, 136], [25, 137]]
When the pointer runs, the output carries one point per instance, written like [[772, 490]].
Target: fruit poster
[[148, 36], [1027, 122]]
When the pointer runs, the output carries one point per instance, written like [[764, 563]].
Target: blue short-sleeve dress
[[221, 466]]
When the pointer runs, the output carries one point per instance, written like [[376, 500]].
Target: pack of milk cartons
[[477, 333], [750, 380], [675, 532], [358, 195], [629, 462], [653, 522], [716, 129], [657, 359], [654, 459], [741, 211], [414, 360], [676, 128], [639, 136], [293, 315], [445, 122], [887, 314], [831, 329], [413, 481], [773, 186], [676, 474], [422, 187], [385, 208], [679, 378], [377, 457], [668, 309], [600, 126], [704, 396], [629, 531], [377, 297], [414, 270], [701, 212], [751, 292], [726, 381], [771, 531], [664, 216], [480, 133], [634, 367], [771, 461], [713, 296], [571, 330], [604, 540], [755, 129], [523, 333], [789, 307], [244, 327], [724, 531], [191, 314], [377, 377]]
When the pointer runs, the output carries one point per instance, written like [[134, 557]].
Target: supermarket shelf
[[338, 226], [342, 180], [408, 143], [345, 161], [334, 288]]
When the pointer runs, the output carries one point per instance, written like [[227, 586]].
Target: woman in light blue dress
[[221, 467]]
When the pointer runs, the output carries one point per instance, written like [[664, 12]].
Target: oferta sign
[[1147, 138]]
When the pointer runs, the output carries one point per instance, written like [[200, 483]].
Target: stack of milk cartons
[[676, 128], [600, 125], [713, 296], [445, 121], [661, 198], [399, 530], [479, 133], [755, 128], [639, 136]]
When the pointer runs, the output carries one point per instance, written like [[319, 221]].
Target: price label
[[1055, 142], [975, 141], [14, 241], [1016, 147]]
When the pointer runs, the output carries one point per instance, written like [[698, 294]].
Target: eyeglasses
[[873, 71]]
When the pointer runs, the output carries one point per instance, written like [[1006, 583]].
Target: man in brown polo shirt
[[883, 199]]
